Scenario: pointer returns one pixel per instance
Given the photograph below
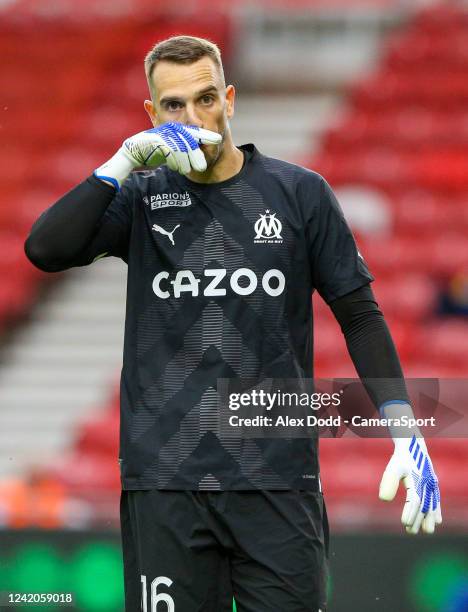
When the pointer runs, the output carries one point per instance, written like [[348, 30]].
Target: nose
[[191, 117]]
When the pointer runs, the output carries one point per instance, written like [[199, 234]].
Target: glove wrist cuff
[[401, 422], [116, 169]]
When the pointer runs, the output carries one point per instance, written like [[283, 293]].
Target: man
[[224, 247]]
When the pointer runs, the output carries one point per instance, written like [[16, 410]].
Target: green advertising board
[[368, 572]]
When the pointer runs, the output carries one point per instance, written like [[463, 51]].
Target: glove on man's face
[[193, 94]]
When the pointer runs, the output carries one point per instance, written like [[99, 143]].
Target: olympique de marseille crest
[[268, 229]]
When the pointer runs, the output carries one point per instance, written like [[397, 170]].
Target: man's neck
[[228, 164]]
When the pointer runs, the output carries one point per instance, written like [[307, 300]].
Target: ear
[[230, 98], [149, 108]]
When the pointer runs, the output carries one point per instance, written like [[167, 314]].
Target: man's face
[[192, 94]]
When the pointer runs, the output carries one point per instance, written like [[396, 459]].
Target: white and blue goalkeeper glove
[[172, 143], [411, 462]]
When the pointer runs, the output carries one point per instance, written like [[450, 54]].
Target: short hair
[[181, 50]]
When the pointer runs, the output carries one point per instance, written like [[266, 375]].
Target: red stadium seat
[[86, 472], [409, 297], [446, 342], [100, 436]]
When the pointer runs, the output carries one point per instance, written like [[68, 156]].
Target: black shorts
[[191, 551]]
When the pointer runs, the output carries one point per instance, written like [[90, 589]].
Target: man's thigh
[[170, 556], [280, 561]]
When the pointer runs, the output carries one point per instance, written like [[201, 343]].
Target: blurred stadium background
[[373, 94]]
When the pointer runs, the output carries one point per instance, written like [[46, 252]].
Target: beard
[[213, 152]]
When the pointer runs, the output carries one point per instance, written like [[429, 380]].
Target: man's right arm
[[61, 234], [94, 219]]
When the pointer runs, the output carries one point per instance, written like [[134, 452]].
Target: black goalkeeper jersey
[[220, 279]]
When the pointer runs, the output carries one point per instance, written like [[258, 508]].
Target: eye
[[207, 99], [173, 106]]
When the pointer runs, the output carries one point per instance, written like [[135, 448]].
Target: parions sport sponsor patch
[[163, 200]]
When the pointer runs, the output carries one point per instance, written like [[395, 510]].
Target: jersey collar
[[250, 153]]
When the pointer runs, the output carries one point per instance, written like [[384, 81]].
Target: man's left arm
[[374, 355], [341, 276]]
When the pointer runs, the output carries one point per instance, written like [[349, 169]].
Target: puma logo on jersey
[[161, 230], [243, 281]]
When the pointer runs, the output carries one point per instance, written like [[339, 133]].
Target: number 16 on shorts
[[156, 598]]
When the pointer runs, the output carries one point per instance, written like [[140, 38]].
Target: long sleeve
[[370, 345], [88, 222]]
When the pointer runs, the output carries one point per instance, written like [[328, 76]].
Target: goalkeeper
[[224, 247]]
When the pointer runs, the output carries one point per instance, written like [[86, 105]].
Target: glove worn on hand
[[172, 143], [411, 462]]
